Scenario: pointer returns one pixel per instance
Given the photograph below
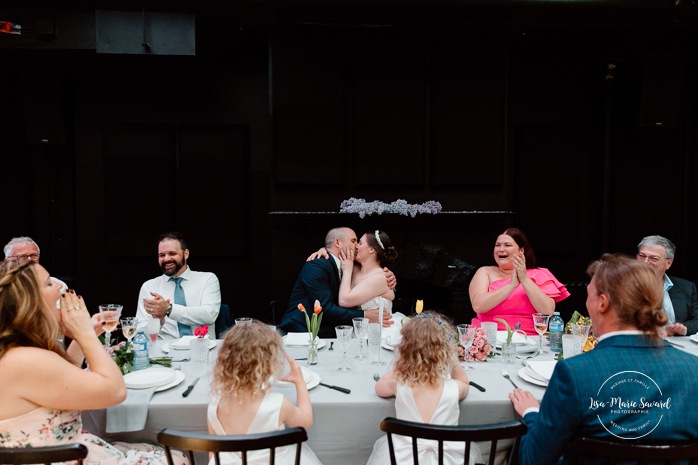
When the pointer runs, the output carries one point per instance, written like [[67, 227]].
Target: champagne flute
[[128, 328], [361, 331], [466, 335], [540, 322], [110, 314], [343, 336]]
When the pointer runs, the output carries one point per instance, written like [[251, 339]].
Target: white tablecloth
[[345, 425]]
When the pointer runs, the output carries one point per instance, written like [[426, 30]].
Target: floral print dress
[[48, 427]]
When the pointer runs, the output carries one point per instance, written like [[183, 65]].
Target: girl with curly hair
[[249, 360], [428, 383]]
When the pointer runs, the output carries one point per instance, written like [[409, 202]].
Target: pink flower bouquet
[[480, 349]]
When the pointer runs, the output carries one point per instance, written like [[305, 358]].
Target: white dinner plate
[[311, 379], [693, 337], [150, 377], [532, 373], [524, 376], [385, 345], [524, 348], [320, 343], [179, 377], [179, 345]]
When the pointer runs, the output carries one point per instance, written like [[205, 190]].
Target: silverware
[[505, 373], [331, 344], [477, 386], [526, 357], [338, 388], [303, 358], [185, 359], [190, 387], [376, 376]]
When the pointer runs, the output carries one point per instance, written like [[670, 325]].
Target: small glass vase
[[508, 353], [312, 352]]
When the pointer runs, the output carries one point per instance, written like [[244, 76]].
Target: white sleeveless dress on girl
[[446, 413], [266, 420]]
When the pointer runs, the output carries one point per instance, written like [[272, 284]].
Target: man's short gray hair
[[9, 247], [336, 233], [662, 241]]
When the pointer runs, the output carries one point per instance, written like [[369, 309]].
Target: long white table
[[345, 425]]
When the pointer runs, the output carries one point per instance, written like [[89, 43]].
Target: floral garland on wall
[[399, 206]]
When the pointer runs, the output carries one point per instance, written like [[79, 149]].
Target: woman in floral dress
[[43, 385]]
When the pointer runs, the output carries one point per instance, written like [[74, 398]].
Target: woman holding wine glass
[[56, 388]]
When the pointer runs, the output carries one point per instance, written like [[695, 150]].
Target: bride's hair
[[427, 350], [380, 242], [25, 319], [250, 355]]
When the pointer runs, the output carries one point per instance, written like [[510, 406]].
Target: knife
[[190, 387], [341, 389], [477, 386]]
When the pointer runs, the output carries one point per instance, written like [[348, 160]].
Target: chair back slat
[[243, 443], [666, 453], [47, 454], [459, 433]]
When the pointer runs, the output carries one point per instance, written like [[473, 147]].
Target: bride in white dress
[[251, 355], [363, 280], [423, 390]]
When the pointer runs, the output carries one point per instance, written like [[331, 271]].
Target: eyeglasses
[[651, 258], [24, 258]]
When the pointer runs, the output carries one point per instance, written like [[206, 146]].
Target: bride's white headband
[[378, 238]]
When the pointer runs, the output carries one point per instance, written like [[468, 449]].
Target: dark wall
[[102, 153]]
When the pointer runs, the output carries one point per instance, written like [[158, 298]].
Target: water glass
[[243, 320], [374, 343], [361, 332], [571, 345], [490, 330]]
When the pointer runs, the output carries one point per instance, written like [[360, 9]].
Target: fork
[[331, 345], [526, 357], [505, 373], [376, 376]]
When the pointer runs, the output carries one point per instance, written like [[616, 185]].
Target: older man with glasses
[[24, 249], [680, 295]]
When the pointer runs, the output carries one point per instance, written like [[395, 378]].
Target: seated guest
[[631, 364], [41, 405], [680, 296], [428, 383], [514, 289], [250, 356], [180, 298], [319, 280], [23, 249]]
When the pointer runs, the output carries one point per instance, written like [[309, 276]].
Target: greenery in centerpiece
[[313, 324], [123, 356]]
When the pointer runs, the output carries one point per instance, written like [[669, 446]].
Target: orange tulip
[[301, 307]]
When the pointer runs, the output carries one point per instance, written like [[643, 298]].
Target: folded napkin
[[131, 414], [297, 339], [543, 368], [395, 327], [182, 343], [516, 338]]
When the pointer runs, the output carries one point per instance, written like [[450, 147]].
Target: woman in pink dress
[[514, 289], [43, 385]]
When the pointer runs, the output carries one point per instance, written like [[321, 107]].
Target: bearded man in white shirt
[[182, 299]]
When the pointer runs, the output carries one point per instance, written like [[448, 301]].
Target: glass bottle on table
[[557, 328]]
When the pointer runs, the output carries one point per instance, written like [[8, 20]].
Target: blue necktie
[[179, 299]]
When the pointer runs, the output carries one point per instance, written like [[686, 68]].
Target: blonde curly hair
[[427, 351], [250, 355]]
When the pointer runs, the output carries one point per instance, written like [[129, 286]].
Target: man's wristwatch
[[169, 310]]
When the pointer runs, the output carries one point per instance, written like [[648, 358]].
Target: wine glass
[[110, 314], [361, 331], [343, 337], [466, 335], [128, 328], [540, 322]]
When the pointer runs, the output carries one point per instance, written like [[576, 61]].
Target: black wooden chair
[[46, 454], [633, 452], [224, 321], [492, 433], [278, 309], [244, 443]]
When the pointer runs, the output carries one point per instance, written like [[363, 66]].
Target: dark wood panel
[[468, 113], [389, 113], [309, 111], [213, 191], [138, 186]]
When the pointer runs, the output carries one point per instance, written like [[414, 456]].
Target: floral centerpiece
[[313, 325], [201, 331], [477, 352], [508, 350], [124, 358], [399, 206]]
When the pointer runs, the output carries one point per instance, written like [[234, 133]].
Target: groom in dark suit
[[632, 385], [680, 295], [319, 280]]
